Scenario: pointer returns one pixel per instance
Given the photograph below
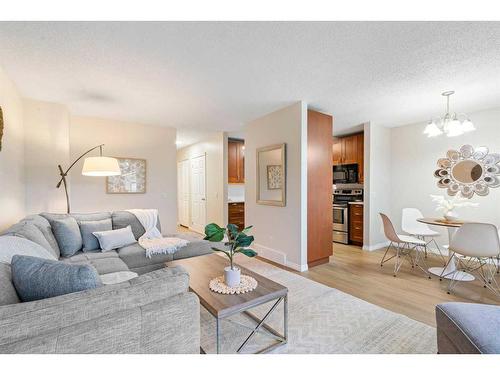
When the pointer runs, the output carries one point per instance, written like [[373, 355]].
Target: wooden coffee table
[[222, 306]]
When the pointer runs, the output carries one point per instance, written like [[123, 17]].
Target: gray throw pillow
[[114, 239], [67, 233], [87, 228], [37, 278]]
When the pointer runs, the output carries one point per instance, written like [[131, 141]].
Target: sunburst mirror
[[468, 171]]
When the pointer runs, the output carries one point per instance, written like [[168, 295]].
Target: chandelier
[[451, 124]]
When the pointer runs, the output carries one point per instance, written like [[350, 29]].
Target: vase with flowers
[[448, 206]]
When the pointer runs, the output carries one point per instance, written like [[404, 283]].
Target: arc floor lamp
[[97, 166]]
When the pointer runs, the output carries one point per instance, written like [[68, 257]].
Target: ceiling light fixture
[[451, 124]]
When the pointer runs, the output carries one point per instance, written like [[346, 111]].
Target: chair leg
[[385, 254]]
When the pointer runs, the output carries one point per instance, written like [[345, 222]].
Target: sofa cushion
[[12, 245], [114, 239], [8, 294], [87, 228], [44, 225], [122, 219], [468, 328], [36, 278], [68, 236], [93, 216], [194, 249], [30, 232], [104, 263], [135, 256]]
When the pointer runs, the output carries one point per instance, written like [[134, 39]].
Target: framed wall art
[[131, 181]]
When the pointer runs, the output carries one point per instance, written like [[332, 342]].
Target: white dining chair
[[412, 226], [476, 247], [406, 247]]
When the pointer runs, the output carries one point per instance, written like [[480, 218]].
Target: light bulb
[[432, 130], [468, 126], [454, 128]]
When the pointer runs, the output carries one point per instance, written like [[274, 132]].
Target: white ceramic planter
[[232, 276]]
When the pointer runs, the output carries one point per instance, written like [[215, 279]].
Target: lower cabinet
[[356, 224], [236, 214]]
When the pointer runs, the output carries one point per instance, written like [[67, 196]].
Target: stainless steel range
[[341, 199]]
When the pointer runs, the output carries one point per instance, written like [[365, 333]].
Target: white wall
[[153, 143], [378, 188], [46, 145], [216, 173], [413, 162], [280, 232], [12, 194]]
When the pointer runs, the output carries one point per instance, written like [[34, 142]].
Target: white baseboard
[[277, 257], [376, 246]]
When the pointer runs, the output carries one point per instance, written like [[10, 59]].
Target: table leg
[[450, 271], [218, 334], [285, 318]]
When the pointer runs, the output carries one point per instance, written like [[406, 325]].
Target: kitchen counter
[[236, 200], [360, 203]]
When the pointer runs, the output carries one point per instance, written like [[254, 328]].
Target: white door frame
[[183, 191]]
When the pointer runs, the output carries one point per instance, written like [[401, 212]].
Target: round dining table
[[450, 271]]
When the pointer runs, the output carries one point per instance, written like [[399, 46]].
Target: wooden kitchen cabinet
[[236, 214], [236, 161], [356, 224], [349, 150], [337, 151], [360, 147]]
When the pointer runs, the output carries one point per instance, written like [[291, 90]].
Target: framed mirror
[[468, 171], [271, 175]]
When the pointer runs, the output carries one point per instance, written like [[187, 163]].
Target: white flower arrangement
[[448, 205]]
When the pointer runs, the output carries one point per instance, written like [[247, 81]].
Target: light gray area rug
[[321, 320]]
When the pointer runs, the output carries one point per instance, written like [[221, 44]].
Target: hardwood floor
[[411, 293]]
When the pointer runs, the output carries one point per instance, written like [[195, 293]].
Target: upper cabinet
[[236, 161], [337, 151], [349, 150]]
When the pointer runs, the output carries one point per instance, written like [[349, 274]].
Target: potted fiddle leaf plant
[[236, 242]]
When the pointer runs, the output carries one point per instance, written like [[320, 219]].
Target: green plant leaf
[[248, 252], [243, 240], [214, 233], [247, 229], [233, 230]]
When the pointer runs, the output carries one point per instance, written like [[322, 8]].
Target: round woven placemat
[[247, 284]]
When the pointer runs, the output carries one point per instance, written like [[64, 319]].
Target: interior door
[[198, 194], [183, 192]]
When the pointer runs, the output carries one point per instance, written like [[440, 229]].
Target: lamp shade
[[101, 166]]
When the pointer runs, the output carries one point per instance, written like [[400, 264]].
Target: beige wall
[[280, 232], [216, 174], [12, 193], [155, 144], [46, 145]]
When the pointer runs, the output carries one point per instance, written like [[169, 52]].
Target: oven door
[[340, 222]]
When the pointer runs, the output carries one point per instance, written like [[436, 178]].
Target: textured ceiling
[[217, 76]]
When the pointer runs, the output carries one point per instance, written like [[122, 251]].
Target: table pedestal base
[[445, 273]]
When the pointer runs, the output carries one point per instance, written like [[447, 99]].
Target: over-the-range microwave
[[345, 174]]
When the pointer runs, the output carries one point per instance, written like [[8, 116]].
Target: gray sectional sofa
[[152, 313], [468, 328]]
